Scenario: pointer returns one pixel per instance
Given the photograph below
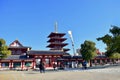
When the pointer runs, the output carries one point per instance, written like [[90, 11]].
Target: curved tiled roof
[[38, 52], [12, 57]]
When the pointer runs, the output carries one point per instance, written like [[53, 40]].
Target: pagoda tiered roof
[[52, 39], [65, 49], [52, 34], [56, 40], [53, 44]]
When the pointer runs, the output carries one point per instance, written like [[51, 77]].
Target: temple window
[[47, 60], [16, 64], [13, 52], [5, 64], [18, 52]]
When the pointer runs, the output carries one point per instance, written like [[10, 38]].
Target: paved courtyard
[[76, 74]]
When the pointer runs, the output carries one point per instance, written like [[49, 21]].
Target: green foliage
[[2, 42], [112, 41], [88, 50], [107, 39], [4, 52], [115, 56], [115, 31]]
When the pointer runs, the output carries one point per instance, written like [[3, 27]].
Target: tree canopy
[[4, 52], [88, 50], [112, 41]]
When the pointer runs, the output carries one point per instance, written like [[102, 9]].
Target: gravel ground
[[71, 74]]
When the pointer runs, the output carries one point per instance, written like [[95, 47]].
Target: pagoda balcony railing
[[56, 49], [56, 37], [57, 43]]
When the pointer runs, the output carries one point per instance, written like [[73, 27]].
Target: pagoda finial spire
[[56, 27], [17, 39]]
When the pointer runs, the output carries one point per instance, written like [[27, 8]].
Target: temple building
[[18, 57], [18, 49], [23, 56]]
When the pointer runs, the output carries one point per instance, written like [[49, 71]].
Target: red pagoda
[[57, 41]]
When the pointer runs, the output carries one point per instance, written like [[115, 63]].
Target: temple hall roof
[[49, 52], [17, 57], [17, 44]]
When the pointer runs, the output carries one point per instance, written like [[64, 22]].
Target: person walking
[[84, 64], [41, 67], [54, 66]]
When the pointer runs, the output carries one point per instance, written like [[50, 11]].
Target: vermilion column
[[95, 61], [43, 59], [33, 64], [52, 60], [0, 64], [101, 62], [106, 61], [22, 64], [11, 64]]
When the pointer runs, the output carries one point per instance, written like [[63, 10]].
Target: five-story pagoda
[[56, 41]]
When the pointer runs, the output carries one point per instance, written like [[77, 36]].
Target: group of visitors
[[42, 66]]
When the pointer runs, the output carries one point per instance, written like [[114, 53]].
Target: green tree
[[112, 41], [115, 56], [4, 52], [88, 50]]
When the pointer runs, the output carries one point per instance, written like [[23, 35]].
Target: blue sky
[[31, 21]]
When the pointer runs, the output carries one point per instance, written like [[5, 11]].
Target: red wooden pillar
[[22, 64], [43, 59], [52, 60], [0, 63], [11, 64], [110, 60], [100, 61], [105, 60], [95, 61], [34, 63]]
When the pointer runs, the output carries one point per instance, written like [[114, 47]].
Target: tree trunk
[[90, 63]]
